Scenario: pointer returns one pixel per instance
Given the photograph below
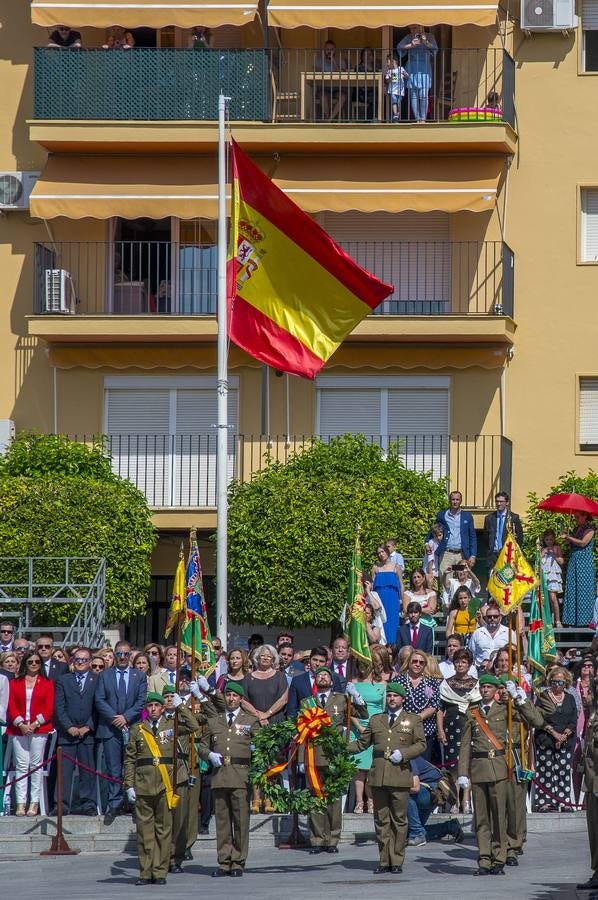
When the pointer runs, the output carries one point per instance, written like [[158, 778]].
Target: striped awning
[[149, 13], [376, 13]]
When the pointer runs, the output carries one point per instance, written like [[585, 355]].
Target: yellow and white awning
[[376, 13], [149, 13]]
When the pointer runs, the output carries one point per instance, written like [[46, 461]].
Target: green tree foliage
[[61, 498], [292, 528], [538, 520]]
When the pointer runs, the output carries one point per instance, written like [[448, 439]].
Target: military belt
[[488, 754], [235, 761], [154, 761], [379, 754]]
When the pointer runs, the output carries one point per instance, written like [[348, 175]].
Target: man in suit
[[120, 697], [7, 635], [412, 634], [495, 528], [303, 686], [459, 540], [397, 737], [167, 675], [75, 718], [325, 827], [288, 665], [53, 667], [226, 744], [340, 661]]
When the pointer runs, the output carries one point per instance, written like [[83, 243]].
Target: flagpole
[[222, 389]]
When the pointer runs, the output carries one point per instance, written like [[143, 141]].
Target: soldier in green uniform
[[148, 782], [590, 765], [483, 766], [325, 827], [226, 744], [397, 737]]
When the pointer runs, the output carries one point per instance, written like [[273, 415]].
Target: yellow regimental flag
[[512, 577], [178, 605]]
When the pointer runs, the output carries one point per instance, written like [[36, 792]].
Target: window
[[163, 437], [589, 24], [412, 409], [589, 224], [588, 415]]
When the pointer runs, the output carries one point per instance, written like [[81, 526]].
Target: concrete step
[[23, 838]]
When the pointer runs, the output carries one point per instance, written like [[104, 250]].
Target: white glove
[[595, 793], [194, 688], [215, 759], [352, 691], [463, 781], [176, 700], [511, 689], [131, 795], [203, 684], [301, 768], [521, 696], [396, 757]]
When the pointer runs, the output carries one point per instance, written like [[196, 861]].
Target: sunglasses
[[34, 662], [80, 659], [153, 653], [122, 653], [44, 646], [493, 618], [97, 667], [558, 683], [417, 662], [20, 649], [7, 631]]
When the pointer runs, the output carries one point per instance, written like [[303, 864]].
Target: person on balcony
[[200, 38], [328, 93], [118, 38], [420, 49], [396, 78], [65, 38]]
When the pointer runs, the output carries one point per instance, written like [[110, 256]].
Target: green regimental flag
[[355, 630], [541, 645]]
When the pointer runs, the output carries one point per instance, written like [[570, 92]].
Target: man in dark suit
[[459, 540], [120, 696], [302, 686], [420, 637], [496, 530], [74, 715], [54, 668], [340, 661], [7, 635]]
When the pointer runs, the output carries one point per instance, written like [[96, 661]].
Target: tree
[[538, 520], [60, 498], [292, 527]]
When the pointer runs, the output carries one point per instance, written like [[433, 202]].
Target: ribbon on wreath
[[309, 725]]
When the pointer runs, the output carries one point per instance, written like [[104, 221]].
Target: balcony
[[164, 97], [124, 289], [179, 471]]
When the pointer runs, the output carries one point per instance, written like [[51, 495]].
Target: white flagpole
[[222, 387]]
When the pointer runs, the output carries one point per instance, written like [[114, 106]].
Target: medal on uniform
[[227, 760], [387, 753], [156, 761]]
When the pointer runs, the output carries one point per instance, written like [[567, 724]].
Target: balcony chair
[[290, 101]]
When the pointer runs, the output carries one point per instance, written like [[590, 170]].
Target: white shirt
[[448, 669], [398, 559], [482, 643], [234, 713], [322, 697], [3, 697]]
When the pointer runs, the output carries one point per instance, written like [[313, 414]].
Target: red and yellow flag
[[293, 294], [511, 578]]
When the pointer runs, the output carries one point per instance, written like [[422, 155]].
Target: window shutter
[[349, 412], [420, 419], [589, 224], [589, 15], [588, 413]]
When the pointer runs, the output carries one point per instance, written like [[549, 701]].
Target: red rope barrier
[[27, 774]]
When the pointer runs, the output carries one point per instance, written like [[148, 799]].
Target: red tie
[[314, 687], [341, 670], [414, 636]]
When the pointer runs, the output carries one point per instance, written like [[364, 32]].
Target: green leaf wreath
[[271, 743]]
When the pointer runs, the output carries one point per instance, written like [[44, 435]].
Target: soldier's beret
[[236, 687], [323, 669], [154, 697], [488, 679], [393, 687], [169, 689]]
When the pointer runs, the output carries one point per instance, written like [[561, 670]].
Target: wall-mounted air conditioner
[[15, 189], [60, 292], [548, 15]]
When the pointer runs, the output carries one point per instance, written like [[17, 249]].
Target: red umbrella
[[569, 503]]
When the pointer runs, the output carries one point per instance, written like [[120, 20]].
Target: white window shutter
[[588, 413], [349, 412], [589, 15], [420, 419], [589, 224]]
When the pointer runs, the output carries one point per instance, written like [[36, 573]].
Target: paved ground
[[551, 866]]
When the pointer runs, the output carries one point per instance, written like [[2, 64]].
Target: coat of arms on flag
[[511, 578]]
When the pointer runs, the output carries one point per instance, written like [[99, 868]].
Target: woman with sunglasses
[[423, 694], [554, 742], [98, 664], [29, 717]]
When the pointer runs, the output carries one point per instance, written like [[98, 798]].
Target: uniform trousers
[[592, 820], [154, 835], [194, 791], [516, 816], [180, 816], [325, 827], [231, 811], [490, 817], [390, 822]]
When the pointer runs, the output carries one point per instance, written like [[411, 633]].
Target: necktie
[[155, 727], [314, 688], [341, 670], [499, 531], [121, 690], [485, 709], [322, 700], [231, 719], [172, 677], [391, 719], [80, 683], [414, 636]]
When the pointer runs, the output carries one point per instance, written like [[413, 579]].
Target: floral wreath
[[277, 745]]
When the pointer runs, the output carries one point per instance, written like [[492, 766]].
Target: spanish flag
[[293, 294]]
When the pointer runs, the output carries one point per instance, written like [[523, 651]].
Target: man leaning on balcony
[[459, 540]]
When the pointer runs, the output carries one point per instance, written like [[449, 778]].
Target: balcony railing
[[431, 278], [279, 85], [180, 470]]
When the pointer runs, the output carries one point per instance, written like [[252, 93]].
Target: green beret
[[393, 687], [504, 678], [168, 689], [489, 679], [323, 669], [154, 697], [236, 687]]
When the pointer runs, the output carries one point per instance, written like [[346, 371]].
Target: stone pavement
[[551, 866]]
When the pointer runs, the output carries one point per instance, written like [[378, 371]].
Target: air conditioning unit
[[15, 189], [60, 293], [548, 15]]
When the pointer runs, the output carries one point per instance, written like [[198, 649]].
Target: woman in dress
[[457, 694], [554, 742], [388, 585], [238, 667], [580, 583], [375, 616], [266, 695], [422, 594], [552, 566], [423, 694], [373, 690], [461, 618]]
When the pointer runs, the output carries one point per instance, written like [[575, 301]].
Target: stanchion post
[[59, 846], [296, 840]]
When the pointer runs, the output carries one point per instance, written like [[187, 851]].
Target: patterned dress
[[454, 718], [374, 695], [554, 766], [425, 694], [580, 582]]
